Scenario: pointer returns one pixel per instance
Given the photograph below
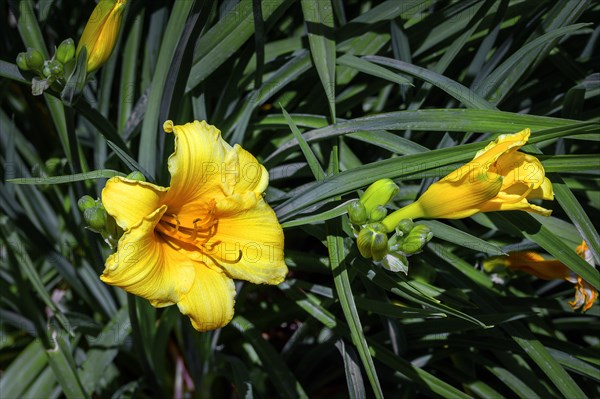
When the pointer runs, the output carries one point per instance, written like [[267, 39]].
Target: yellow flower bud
[[499, 178], [378, 194], [372, 241], [101, 32]]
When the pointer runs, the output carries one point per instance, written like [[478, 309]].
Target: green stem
[[410, 211]]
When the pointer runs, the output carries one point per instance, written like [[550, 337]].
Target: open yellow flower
[[185, 243], [549, 269], [101, 32], [499, 178]]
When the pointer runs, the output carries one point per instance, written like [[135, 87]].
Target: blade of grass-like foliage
[[574, 364], [577, 214], [143, 322], [372, 69], [538, 233], [318, 16], [44, 386], [148, 150], [28, 269], [354, 381], [391, 142], [408, 290], [11, 71], [456, 236], [513, 382], [127, 83], [478, 12], [107, 346], [501, 81], [455, 120], [312, 160], [238, 374], [61, 361], [23, 371], [96, 174], [337, 255], [299, 64], [226, 37], [538, 352], [517, 331], [327, 215], [570, 163], [283, 379], [461, 93], [381, 352]]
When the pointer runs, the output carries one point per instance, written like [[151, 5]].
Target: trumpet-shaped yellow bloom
[[101, 32], [549, 269], [184, 244], [499, 178]]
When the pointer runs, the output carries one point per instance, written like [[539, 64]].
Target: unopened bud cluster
[[367, 216], [55, 69]]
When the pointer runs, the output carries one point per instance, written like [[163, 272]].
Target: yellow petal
[[249, 176], [129, 201], [544, 191], [517, 167], [506, 202], [146, 266], [197, 167], [460, 197], [252, 236], [209, 302], [502, 145], [536, 265]]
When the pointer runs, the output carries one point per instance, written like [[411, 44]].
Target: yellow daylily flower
[[101, 32], [549, 269], [499, 178], [183, 244]]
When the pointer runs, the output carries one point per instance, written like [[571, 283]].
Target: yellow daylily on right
[[549, 269], [499, 178]]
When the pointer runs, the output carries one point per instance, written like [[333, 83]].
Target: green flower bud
[[56, 68], [416, 239], [22, 62], [404, 227], [86, 202], [395, 262], [357, 212], [46, 71], [372, 241], [136, 175], [34, 58], [379, 194], [95, 217], [53, 166], [377, 214], [65, 51]]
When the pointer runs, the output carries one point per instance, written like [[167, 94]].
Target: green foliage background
[[400, 89]]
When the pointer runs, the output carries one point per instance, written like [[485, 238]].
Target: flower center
[[197, 233]]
